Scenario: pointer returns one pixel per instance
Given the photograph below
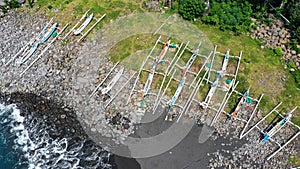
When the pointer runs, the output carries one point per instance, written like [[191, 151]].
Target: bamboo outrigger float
[[149, 81], [29, 53]]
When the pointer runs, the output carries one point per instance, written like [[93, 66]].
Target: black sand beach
[[190, 153]]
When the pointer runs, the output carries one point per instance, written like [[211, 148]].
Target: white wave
[[40, 150]]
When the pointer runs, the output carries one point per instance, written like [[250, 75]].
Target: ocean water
[[25, 143]]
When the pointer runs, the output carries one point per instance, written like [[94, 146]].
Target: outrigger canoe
[[49, 33], [112, 82], [276, 128], [149, 81], [210, 94], [177, 93], [84, 25], [164, 51], [240, 106], [45, 29], [225, 63], [175, 97]]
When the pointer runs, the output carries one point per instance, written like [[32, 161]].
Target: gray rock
[[2, 3], [21, 1]]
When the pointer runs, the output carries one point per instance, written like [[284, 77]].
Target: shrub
[[213, 20], [296, 75], [30, 3], [11, 4], [230, 15], [174, 5], [50, 7], [293, 44], [190, 9], [292, 65], [278, 52], [297, 34]]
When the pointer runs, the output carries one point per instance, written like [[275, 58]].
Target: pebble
[[276, 36]]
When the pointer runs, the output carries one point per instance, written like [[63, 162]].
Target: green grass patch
[[70, 11], [131, 45], [260, 68], [295, 159]]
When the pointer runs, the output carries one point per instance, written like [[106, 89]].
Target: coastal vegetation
[[9, 5]]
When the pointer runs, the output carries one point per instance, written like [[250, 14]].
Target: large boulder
[[2, 3], [21, 1]]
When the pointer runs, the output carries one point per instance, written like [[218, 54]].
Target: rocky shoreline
[[61, 124], [276, 35], [57, 76], [67, 77]]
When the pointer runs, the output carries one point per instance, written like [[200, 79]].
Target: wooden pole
[[100, 84], [250, 118]]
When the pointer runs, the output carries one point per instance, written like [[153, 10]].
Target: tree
[[190, 9], [293, 14], [233, 15]]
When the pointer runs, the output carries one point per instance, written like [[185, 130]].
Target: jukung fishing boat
[[189, 63], [45, 29], [225, 63], [48, 33], [210, 94], [149, 81], [162, 54], [277, 127], [175, 96], [84, 25], [240, 106], [112, 82], [34, 45]]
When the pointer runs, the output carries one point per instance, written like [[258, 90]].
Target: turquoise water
[[10, 155]]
